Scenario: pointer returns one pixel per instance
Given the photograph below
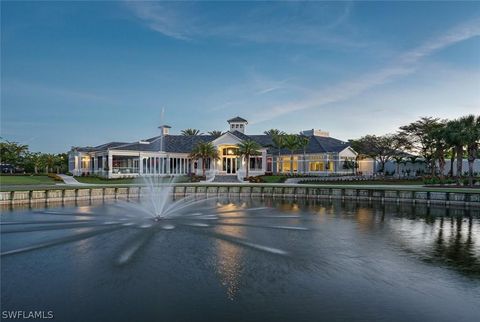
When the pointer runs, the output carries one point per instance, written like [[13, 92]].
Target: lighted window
[[286, 162], [330, 166], [317, 166], [230, 151]]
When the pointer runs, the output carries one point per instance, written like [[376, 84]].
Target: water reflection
[[455, 245]]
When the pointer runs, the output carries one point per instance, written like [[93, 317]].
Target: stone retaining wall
[[468, 199]]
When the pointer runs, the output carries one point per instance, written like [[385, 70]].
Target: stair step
[[225, 178]]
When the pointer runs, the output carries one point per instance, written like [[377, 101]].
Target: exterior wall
[[321, 164], [117, 163]]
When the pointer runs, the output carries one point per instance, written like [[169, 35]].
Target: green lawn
[[366, 182], [274, 179], [97, 180], [26, 180]]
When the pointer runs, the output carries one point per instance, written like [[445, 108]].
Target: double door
[[230, 165]]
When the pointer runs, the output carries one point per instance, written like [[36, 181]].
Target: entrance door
[[230, 165]]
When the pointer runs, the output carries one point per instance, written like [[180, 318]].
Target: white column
[[264, 161], [110, 164]]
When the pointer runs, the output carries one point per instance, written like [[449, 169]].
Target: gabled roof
[[171, 143], [185, 144], [316, 144], [104, 146], [237, 119]]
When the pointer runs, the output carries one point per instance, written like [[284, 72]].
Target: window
[[99, 162], [85, 162], [255, 163], [286, 164], [230, 151], [331, 166], [317, 166], [269, 165], [208, 163]]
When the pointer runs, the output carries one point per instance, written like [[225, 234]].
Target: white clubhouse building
[[167, 155]]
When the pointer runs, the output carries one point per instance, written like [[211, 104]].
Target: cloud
[[297, 23], [162, 18], [406, 64]]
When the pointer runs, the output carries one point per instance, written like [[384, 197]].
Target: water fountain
[[154, 211]]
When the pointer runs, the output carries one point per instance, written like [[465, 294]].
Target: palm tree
[[12, 152], [204, 151], [34, 160], [292, 143], [413, 160], [191, 132], [246, 149], [273, 132], [277, 140], [439, 135], [455, 137], [49, 161], [215, 133], [398, 160], [471, 134], [302, 143]]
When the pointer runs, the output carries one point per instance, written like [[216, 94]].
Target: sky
[[86, 73]]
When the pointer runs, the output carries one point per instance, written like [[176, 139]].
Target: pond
[[243, 260]]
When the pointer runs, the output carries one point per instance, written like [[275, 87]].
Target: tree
[[246, 149], [439, 135], [61, 162], [455, 138], [421, 136], [381, 148], [292, 143], [204, 151], [33, 161], [215, 133], [303, 143], [471, 134], [49, 161], [12, 152], [191, 132], [274, 132], [277, 142], [399, 158]]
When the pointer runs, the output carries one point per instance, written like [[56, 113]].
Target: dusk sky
[[85, 73]]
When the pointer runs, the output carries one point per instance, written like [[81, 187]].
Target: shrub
[[257, 179], [55, 177]]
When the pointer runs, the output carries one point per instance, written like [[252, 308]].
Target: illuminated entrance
[[230, 160]]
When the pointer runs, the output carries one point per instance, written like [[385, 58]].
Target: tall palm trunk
[[459, 152], [203, 167], [279, 163], [452, 159], [247, 157], [291, 163], [441, 165], [471, 160], [304, 167]]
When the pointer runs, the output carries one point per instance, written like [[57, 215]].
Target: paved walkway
[[69, 180]]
